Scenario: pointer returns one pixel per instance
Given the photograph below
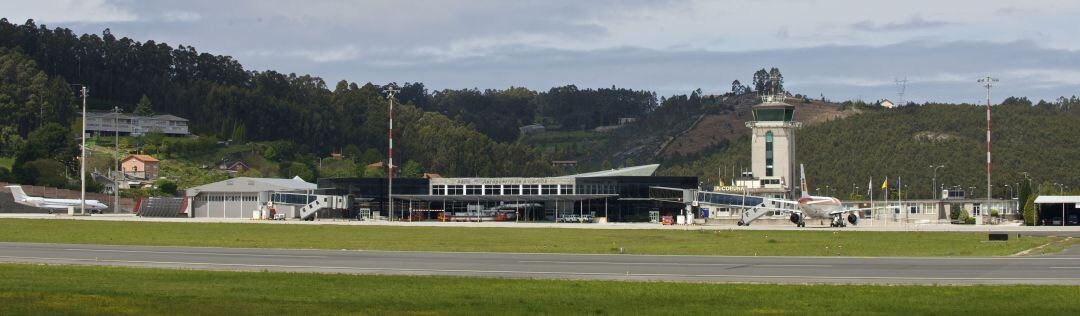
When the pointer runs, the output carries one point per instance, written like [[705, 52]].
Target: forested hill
[[1042, 139], [223, 99]]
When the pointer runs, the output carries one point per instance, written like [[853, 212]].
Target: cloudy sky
[[842, 49]]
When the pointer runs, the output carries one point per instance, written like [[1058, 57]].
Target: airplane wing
[[863, 209]]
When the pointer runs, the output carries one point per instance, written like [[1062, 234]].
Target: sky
[[839, 49]]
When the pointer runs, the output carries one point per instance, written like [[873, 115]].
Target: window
[[455, 190], [768, 154], [473, 189], [549, 189], [438, 190], [492, 190], [530, 189], [512, 189], [566, 189]]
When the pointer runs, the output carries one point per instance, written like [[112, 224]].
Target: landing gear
[[800, 224], [740, 223]]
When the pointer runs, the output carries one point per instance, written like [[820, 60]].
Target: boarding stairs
[[754, 213], [323, 202]]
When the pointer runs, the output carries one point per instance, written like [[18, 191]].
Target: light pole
[[933, 184], [1061, 187], [82, 161], [116, 154], [390, 154]]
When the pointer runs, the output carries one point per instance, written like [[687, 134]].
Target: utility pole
[[933, 186], [82, 161], [390, 154], [988, 82], [116, 155]]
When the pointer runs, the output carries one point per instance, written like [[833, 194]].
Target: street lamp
[[116, 154], [1009, 191], [933, 184]]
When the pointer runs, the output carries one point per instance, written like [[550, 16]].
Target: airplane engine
[[853, 219], [795, 218]]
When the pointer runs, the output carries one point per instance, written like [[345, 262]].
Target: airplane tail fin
[[17, 192], [802, 180]]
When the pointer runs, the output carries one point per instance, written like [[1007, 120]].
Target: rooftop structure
[[135, 125]]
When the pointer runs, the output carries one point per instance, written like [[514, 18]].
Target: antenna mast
[[988, 83], [390, 154], [901, 87]]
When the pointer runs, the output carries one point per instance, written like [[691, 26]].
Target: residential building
[[142, 167], [107, 123]]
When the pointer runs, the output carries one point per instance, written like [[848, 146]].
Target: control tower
[[773, 146]]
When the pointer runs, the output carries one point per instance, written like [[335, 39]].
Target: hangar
[[1058, 210], [238, 197]]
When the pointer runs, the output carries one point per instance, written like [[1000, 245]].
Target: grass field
[[38, 289], [536, 240]]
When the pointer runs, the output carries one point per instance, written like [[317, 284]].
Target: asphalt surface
[[1060, 269]]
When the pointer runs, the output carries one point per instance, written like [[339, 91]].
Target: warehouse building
[[239, 197]]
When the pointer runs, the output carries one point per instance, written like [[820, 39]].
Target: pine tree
[[144, 108]]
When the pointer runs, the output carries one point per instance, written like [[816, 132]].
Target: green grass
[[39, 289], [537, 240]]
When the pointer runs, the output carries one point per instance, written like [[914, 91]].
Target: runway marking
[[194, 253], [1064, 267], [732, 276], [793, 265], [629, 263]]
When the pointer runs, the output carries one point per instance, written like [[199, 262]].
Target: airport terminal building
[[613, 195]]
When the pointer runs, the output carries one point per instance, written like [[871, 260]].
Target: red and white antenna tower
[[390, 91], [987, 82]]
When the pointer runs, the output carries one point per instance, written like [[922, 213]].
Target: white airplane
[[822, 207], [806, 207], [60, 204]]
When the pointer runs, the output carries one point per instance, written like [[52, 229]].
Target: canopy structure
[[504, 198]]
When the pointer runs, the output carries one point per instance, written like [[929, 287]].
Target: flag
[[721, 182], [885, 185]]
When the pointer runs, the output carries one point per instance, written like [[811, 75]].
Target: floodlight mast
[[390, 154], [82, 161], [988, 83]]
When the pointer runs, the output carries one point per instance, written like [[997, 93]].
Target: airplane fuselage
[[819, 207], [61, 204]]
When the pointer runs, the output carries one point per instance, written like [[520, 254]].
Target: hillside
[[902, 143], [223, 101]]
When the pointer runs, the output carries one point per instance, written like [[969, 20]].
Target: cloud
[[67, 11], [181, 16], [914, 23]]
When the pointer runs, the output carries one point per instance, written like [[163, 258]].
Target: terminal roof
[[502, 198]]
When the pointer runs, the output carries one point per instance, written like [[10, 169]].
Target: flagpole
[[870, 188]]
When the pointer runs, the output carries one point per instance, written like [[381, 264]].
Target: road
[[1061, 269]]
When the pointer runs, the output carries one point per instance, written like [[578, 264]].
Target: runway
[[1064, 269]]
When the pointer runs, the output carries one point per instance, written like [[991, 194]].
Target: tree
[[370, 155], [776, 80], [761, 80], [44, 172], [144, 108], [296, 169], [412, 169], [166, 186], [737, 87], [1030, 216], [352, 152], [239, 133]]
